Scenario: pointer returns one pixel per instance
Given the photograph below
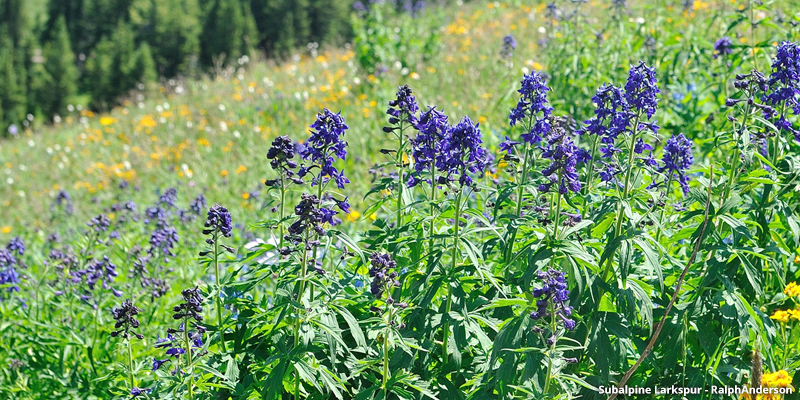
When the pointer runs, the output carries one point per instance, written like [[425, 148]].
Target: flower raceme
[[324, 145], [676, 160], [509, 45], [126, 322], [784, 86], [533, 108], [723, 47], [564, 156], [641, 90], [463, 152], [552, 298], [427, 146], [404, 108]]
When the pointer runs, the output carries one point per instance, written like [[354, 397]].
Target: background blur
[[54, 53]]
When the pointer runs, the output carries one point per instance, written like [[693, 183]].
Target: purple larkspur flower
[[509, 45], [324, 145], [564, 157], [676, 160], [463, 152], [641, 90], [552, 297], [723, 47], [427, 146], [533, 108], [403, 109]]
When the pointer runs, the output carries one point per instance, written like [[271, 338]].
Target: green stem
[[661, 218], [625, 191], [386, 351], [219, 292], [521, 178], [557, 213], [550, 353], [282, 212], [300, 289], [433, 211], [400, 164], [130, 364], [453, 264], [189, 365]]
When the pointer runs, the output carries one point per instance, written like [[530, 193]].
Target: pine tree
[[59, 63], [329, 20], [145, 69], [222, 32], [175, 35], [111, 68]]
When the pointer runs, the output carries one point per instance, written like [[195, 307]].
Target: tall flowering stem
[[218, 224], [551, 306], [402, 114], [427, 151], [126, 322], [676, 160], [384, 279], [281, 159], [641, 94], [784, 89], [323, 147], [463, 156], [561, 173], [533, 110]]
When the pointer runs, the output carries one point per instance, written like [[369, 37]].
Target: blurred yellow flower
[[106, 121], [245, 196], [781, 316], [6, 229], [241, 169], [353, 216], [224, 172], [148, 122], [792, 289]]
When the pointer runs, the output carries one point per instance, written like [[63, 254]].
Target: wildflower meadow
[[458, 200]]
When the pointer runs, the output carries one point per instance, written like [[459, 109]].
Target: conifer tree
[[59, 63]]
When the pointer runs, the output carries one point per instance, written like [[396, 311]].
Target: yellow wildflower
[[792, 289], [6, 229], [780, 316], [224, 173], [106, 121], [241, 169], [353, 216]]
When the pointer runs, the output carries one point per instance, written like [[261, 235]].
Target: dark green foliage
[[104, 48], [61, 73], [110, 70], [227, 32]]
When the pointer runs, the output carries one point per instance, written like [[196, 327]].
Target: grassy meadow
[[644, 240]]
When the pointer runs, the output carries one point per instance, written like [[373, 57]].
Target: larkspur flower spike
[[641, 90], [676, 160], [463, 152], [218, 220], [552, 297], [533, 106], [428, 146], [126, 322], [325, 144]]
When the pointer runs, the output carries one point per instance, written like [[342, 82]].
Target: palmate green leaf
[[642, 294], [352, 323], [602, 227], [752, 272], [351, 244], [651, 260]]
